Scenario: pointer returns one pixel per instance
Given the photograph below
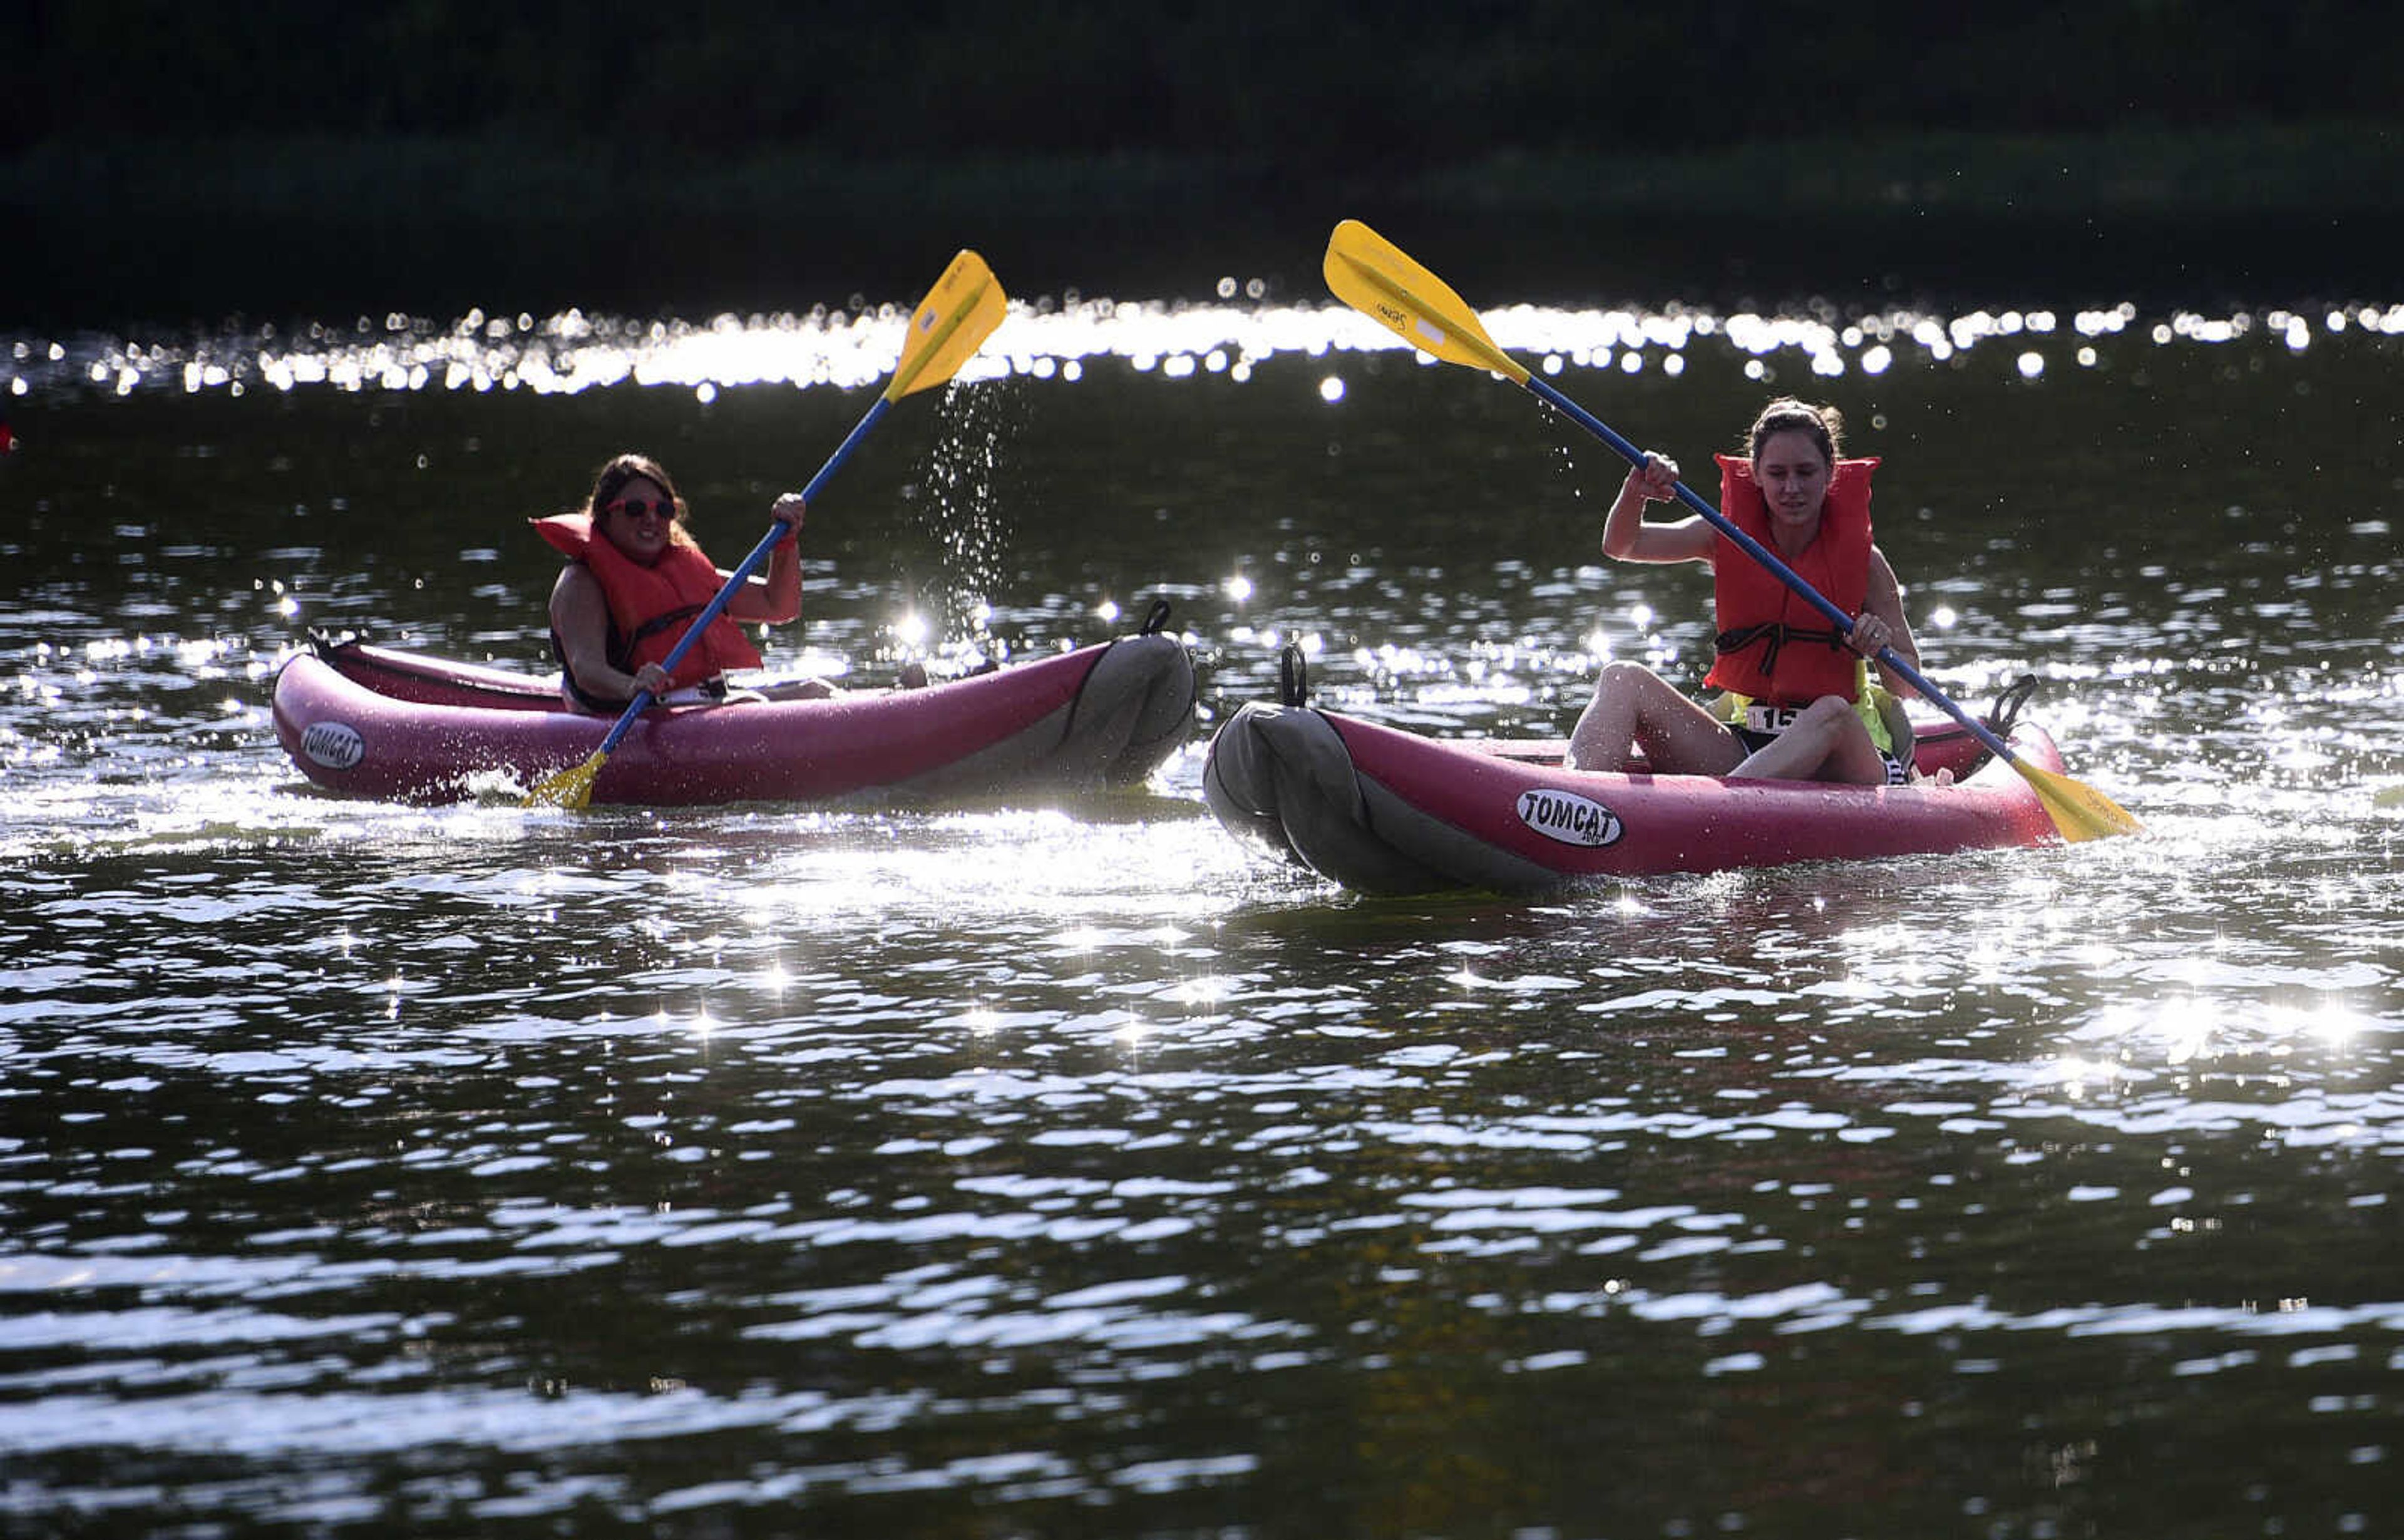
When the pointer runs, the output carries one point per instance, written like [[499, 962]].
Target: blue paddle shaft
[[777, 530], [1785, 573]]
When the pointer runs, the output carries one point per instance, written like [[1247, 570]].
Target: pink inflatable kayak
[[374, 722], [1385, 811]]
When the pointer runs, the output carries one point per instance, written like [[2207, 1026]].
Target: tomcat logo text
[[1565, 817], [335, 744]]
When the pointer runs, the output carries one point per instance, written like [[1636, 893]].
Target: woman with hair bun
[[1797, 699]]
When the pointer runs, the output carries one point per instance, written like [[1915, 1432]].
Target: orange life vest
[[649, 607], [1773, 646]]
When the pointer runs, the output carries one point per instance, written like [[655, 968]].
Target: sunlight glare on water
[[572, 352], [378, 1168]]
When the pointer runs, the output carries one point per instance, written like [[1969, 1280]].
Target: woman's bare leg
[[1828, 742], [1635, 710]]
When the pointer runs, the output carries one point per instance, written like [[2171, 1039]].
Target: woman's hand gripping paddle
[[1376, 278], [955, 318]]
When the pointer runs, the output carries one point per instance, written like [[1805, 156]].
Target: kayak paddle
[[955, 318], [1376, 278]]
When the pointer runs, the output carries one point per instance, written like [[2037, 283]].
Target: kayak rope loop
[[325, 643], [2007, 706], [2000, 720], [1157, 618], [1293, 677]]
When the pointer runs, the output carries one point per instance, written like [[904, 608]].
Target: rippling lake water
[[1055, 1169]]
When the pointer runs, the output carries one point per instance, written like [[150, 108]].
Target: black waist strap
[[1771, 636], [658, 623]]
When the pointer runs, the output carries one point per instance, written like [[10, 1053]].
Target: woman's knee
[[1832, 715], [1851, 755], [1627, 681]]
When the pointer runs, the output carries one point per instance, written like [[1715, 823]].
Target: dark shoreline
[[198, 234]]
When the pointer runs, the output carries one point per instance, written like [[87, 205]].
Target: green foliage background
[[194, 158]]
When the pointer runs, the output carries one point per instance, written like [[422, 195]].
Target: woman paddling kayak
[[636, 578], [1796, 700]]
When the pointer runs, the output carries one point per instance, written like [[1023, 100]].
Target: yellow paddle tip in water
[[2079, 811], [571, 788]]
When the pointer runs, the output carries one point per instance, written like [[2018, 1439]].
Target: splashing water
[[958, 510]]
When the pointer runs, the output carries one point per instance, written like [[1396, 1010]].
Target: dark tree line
[[1293, 83]]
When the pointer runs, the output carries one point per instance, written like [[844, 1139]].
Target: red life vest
[[1773, 646], [649, 607]]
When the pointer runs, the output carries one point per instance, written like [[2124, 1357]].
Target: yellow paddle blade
[[570, 788], [950, 324], [2079, 811], [1376, 278]]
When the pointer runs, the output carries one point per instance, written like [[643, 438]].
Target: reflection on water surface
[[1048, 339], [367, 1168]]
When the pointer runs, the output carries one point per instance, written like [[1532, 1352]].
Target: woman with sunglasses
[[634, 582]]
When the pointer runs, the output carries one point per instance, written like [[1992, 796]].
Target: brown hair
[[614, 476], [1823, 424]]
